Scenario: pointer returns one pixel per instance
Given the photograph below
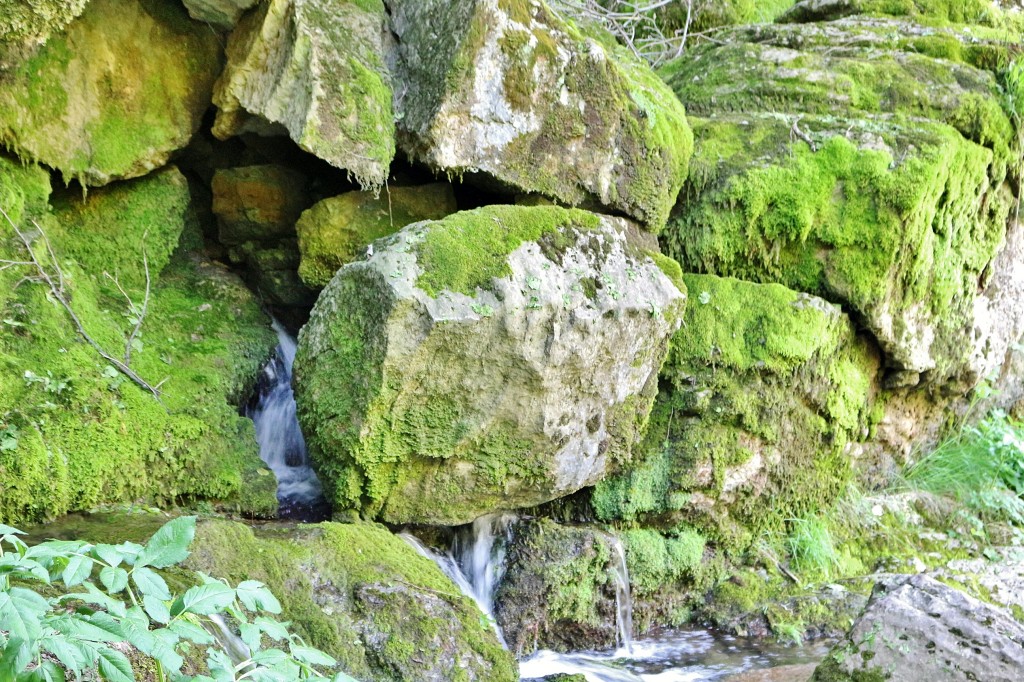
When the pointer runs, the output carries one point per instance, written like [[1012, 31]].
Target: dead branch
[[139, 314], [796, 132], [56, 284]]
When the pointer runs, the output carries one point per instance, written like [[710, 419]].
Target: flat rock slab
[[921, 630]]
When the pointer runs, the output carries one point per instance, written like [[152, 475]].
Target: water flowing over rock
[[498, 358], [282, 446], [920, 630], [362, 595], [113, 94], [507, 88], [314, 70]]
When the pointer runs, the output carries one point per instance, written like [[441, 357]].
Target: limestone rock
[[272, 269], [362, 595], [557, 591], [336, 231], [920, 630], [314, 70], [807, 174], [33, 22], [498, 358], [113, 94], [766, 393], [258, 203], [507, 88], [222, 14]]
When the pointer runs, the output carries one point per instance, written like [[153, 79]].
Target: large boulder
[[920, 630], [866, 161], [507, 88], [498, 358], [766, 393], [362, 595], [313, 70], [258, 203], [337, 230], [77, 432], [113, 94]]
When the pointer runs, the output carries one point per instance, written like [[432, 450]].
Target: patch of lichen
[[913, 220], [87, 435], [336, 231], [22, 22], [93, 121], [468, 249], [359, 593], [762, 391]]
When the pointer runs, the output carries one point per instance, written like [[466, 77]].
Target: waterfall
[[282, 446], [623, 597], [475, 561]]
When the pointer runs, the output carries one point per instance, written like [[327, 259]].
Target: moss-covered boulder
[[314, 70], [362, 595], [866, 161], [558, 589], [766, 392], [78, 432], [113, 94], [336, 231], [507, 88], [498, 358]]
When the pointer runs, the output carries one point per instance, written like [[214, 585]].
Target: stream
[[475, 563]]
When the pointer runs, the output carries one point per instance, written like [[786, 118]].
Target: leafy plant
[[811, 547], [42, 638]]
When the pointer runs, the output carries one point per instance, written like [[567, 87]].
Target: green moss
[[468, 249], [336, 231], [762, 390], [656, 561], [90, 436], [359, 593], [78, 116], [856, 226]]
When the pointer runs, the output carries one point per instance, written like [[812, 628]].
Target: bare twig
[[56, 284], [796, 132]]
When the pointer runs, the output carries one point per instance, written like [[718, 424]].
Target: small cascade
[[481, 554], [623, 597], [475, 561], [231, 643], [282, 445]]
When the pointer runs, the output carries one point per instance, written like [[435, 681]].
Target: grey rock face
[[223, 14], [507, 88], [922, 630], [498, 358], [314, 70]]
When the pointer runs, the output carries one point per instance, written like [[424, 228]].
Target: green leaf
[[250, 635], [129, 551], [342, 677], [16, 656], [70, 655], [114, 667], [269, 657], [114, 579], [169, 545], [204, 599], [108, 554], [274, 630], [10, 530], [156, 609], [93, 595], [192, 632], [78, 628], [312, 656], [256, 596], [20, 613], [78, 570], [150, 583]]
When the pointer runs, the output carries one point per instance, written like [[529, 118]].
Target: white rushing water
[[623, 596], [282, 445]]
